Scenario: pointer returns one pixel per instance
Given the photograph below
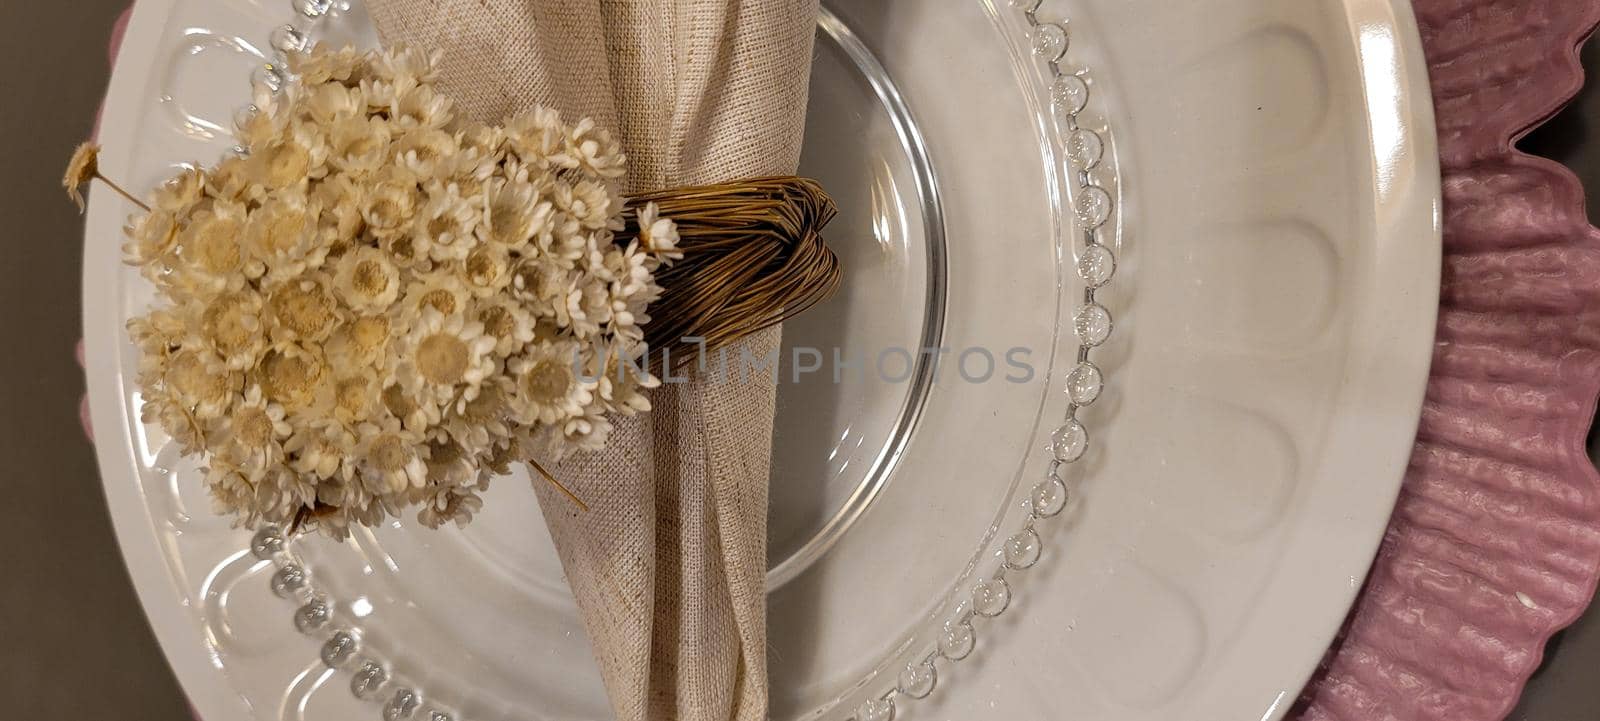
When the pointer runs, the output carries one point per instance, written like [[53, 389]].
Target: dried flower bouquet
[[380, 305]]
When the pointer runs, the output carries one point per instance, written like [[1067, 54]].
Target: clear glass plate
[[1275, 169]]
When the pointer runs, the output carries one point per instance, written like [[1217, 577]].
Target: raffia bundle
[[753, 257]]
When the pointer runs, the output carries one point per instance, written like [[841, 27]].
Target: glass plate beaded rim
[[1071, 150]]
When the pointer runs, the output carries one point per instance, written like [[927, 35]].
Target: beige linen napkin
[[669, 565]]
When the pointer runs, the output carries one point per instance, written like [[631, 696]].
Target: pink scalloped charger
[[1495, 541]]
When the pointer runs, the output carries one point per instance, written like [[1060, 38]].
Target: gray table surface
[[73, 642]]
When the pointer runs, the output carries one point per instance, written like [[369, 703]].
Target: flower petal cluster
[[380, 305]]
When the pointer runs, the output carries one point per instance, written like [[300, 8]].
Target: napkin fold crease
[[669, 566]]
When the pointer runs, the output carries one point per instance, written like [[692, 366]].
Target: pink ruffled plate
[[1495, 541]]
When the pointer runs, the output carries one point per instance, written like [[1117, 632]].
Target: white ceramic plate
[[1276, 173]]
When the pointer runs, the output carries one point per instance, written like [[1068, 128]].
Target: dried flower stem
[[300, 518], [84, 167], [121, 191], [552, 479]]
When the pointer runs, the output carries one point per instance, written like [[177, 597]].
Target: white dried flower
[[658, 235], [288, 159], [548, 387], [345, 65], [182, 192], [482, 150], [361, 343], [150, 237], [450, 504], [317, 451], [280, 238], [381, 95], [332, 102], [158, 335], [487, 270], [367, 280], [251, 437], [407, 65], [536, 136], [620, 381], [414, 416], [427, 153], [340, 199], [228, 182], [264, 123], [513, 213], [449, 465], [630, 270], [588, 308], [565, 242], [541, 284], [359, 145], [390, 458], [282, 491], [348, 401], [200, 381], [591, 149], [292, 375], [409, 251], [442, 291], [507, 322], [212, 259], [230, 325], [591, 202], [231, 492], [445, 358], [390, 206], [419, 107], [588, 431], [446, 223], [302, 309]]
